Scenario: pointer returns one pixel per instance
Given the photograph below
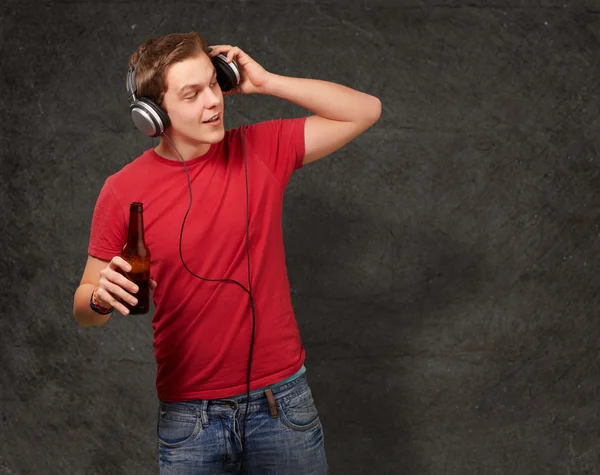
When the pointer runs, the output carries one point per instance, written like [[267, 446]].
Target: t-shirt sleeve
[[279, 144], [109, 226]]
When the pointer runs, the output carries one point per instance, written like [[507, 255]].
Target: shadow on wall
[[377, 302]]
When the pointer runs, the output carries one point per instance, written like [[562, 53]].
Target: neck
[[187, 150]]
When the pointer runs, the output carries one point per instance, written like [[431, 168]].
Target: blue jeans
[[283, 434]]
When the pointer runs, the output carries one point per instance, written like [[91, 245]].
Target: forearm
[[82, 312], [325, 99]]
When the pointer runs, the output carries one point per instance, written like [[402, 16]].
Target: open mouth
[[213, 119]]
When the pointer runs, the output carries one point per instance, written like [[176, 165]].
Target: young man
[[203, 328]]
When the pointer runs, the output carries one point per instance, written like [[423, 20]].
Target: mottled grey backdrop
[[444, 266]]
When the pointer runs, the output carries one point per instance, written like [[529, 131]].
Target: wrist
[[96, 306], [269, 86]]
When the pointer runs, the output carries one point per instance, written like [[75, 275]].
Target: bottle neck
[[136, 227]]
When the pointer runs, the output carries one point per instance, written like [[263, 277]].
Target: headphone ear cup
[[164, 117], [149, 118], [228, 75]]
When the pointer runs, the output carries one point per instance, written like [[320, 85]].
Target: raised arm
[[341, 113]]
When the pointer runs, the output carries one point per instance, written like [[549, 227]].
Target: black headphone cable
[[231, 281]]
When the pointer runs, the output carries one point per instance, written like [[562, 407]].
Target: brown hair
[[157, 55]]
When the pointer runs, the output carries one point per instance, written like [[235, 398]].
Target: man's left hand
[[253, 77]]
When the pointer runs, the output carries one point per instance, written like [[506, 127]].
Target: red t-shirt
[[202, 330]]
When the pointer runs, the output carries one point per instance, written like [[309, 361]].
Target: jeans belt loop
[[204, 413]]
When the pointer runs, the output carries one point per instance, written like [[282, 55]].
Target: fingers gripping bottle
[[137, 254]]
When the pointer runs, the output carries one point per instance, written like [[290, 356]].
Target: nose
[[212, 99]]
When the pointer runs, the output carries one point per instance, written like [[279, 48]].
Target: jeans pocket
[[176, 428], [299, 412]]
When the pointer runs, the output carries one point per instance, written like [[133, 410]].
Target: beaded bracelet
[[96, 307]]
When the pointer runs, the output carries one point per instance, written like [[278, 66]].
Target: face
[[192, 98]]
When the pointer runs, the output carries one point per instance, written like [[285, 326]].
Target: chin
[[214, 136]]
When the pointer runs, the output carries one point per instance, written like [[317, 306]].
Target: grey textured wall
[[443, 265]]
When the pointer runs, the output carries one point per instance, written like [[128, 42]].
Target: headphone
[[151, 119]]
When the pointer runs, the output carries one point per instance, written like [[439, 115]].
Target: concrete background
[[443, 265]]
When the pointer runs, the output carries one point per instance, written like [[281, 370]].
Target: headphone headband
[[131, 75], [151, 119]]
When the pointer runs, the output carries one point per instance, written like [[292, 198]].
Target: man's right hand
[[114, 288]]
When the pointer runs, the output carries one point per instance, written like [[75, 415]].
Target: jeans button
[[233, 405]]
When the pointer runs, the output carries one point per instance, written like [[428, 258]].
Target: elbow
[[82, 313], [87, 320], [78, 315], [80, 321], [371, 111], [374, 110]]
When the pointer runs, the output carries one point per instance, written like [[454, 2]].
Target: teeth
[[213, 118]]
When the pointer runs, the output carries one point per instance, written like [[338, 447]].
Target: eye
[[193, 96], [213, 84]]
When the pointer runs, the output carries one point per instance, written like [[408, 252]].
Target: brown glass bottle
[[137, 254]]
